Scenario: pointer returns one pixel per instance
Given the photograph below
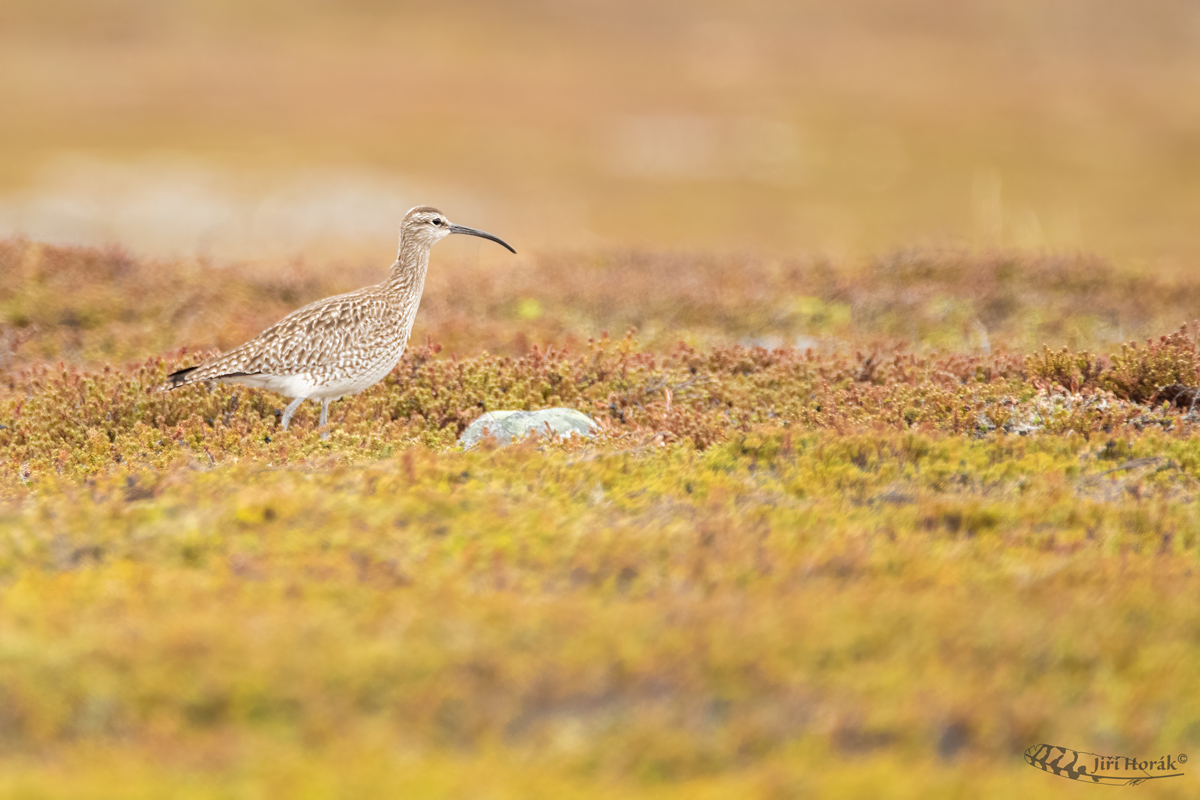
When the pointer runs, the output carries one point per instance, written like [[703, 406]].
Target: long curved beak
[[480, 234]]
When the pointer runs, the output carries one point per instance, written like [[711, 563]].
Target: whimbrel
[[342, 344]]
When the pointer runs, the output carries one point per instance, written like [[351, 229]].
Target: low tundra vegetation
[[866, 565]]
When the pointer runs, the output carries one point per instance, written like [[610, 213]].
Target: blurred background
[[269, 128]]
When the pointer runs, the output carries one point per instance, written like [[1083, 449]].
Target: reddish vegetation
[[671, 393], [90, 306]]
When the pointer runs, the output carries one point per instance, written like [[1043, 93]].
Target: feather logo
[[1078, 765]]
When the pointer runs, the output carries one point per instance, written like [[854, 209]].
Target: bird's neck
[[408, 273]]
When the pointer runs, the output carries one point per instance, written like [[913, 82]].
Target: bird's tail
[[178, 378]]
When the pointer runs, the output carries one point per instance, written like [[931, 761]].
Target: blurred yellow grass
[[659, 621], [839, 127]]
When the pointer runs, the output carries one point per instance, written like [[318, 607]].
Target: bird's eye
[[437, 220]]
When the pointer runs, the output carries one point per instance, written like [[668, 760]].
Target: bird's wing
[[328, 336]]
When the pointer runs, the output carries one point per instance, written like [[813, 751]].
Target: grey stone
[[511, 426]]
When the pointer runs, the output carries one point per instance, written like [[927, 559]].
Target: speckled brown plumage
[[332, 340], [342, 344]]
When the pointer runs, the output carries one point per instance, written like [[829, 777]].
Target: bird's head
[[429, 226]]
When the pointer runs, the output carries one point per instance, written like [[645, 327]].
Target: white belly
[[307, 386], [342, 387]]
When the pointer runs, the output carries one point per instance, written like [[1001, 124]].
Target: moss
[[1139, 374], [773, 571], [1072, 371]]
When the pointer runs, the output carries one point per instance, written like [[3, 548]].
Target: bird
[[343, 344]]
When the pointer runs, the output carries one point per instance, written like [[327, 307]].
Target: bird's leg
[[291, 409], [325, 416]]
